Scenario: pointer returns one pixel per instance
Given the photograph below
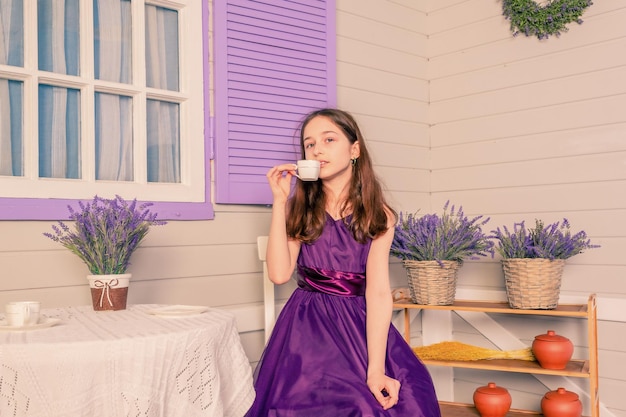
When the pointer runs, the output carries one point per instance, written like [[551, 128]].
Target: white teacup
[[22, 313], [308, 169]]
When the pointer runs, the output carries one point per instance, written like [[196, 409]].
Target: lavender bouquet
[[105, 233], [554, 241], [449, 237]]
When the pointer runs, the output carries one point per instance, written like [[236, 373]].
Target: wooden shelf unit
[[578, 368]]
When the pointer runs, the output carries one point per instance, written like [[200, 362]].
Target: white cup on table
[[22, 313], [308, 169]]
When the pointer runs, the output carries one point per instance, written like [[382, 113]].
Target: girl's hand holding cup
[[279, 177]]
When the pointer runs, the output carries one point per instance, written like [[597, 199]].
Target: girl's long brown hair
[[307, 206]]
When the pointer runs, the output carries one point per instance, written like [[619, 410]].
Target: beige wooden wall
[[523, 129]]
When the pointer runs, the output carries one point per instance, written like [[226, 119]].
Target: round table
[[133, 362]]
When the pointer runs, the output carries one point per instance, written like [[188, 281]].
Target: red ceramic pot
[[492, 401], [561, 403], [552, 351]]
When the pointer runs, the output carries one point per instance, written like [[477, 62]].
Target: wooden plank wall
[[523, 129], [382, 79]]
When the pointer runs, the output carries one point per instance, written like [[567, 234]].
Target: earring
[[353, 161]]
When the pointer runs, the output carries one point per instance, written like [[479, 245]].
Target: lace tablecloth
[[125, 363]]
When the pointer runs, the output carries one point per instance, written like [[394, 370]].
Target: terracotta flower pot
[[492, 401], [552, 351], [109, 292], [561, 403]]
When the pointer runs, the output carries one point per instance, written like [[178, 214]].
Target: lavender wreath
[[532, 19]]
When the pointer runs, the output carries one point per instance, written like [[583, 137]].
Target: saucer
[[44, 322], [178, 310]]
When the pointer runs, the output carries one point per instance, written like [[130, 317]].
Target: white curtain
[[6, 159], [59, 109], [163, 142], [162, 117], [114, 140], [59, 95], [6, 9], [114, 130], [11, 42]]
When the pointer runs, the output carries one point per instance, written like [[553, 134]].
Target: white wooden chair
[[269, 303]]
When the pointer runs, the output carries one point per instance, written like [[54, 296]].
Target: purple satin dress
[[315, 363]]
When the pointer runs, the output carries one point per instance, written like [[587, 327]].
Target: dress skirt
[[315, 364]]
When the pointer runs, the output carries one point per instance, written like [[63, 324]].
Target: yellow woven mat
[[456, 351]]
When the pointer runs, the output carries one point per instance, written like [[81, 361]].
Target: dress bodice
[[335, 262]]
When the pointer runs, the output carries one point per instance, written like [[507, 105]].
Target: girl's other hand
[[279, 178], [385, 389]]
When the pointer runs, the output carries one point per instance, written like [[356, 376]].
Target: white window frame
[[194, 166]]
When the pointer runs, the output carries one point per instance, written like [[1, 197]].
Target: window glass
[[112, 24], [11, 136], [114, 137], [161, 48], [12, 33], [58, 36], [59, 132], [163, 141]]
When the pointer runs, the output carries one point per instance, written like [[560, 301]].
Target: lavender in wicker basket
[[433, 247], [533, 261], [450, 237]]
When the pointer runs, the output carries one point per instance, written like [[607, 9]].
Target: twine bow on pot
[[106, 288]]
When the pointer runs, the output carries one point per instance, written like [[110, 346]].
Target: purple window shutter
[[274, 62]]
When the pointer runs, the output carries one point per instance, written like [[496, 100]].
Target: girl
[[333, 352]]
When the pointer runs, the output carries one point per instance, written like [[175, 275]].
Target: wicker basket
[[533, 284], [430, 283]]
